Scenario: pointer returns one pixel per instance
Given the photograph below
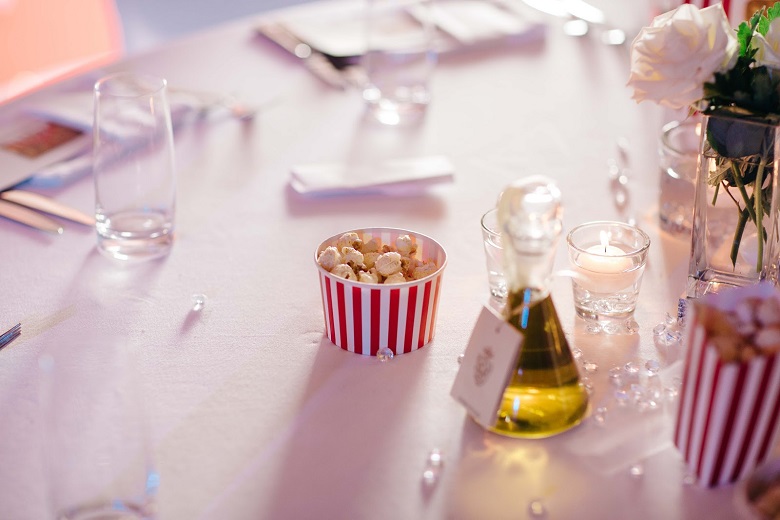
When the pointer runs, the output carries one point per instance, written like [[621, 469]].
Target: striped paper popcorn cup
[[366, 317], [727, 422]]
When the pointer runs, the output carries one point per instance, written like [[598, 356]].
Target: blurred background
[[42, 41], [151, 22]]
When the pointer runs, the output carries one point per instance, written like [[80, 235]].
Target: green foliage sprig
[[747, 89]]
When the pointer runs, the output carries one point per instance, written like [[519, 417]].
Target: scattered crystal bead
[[536, 509], [431, 474], [652, 366], [576, 353], [631, 368], [616, 380], [636, 470], [590, 366], [611, 328], [668, 337], [198, 302], [435, 457], [593, 328], [588, 384], [622, 397], [385, 354], [632, 327], [659, 329], [433, 467], [670, 320], [600, 415], [460, 358], [670, 393]]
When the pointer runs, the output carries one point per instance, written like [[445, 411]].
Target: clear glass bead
[[198, 302], [433, 467], [632, 327], [385, 354], [536, 509], [600, 416], [593, 328], [590, 366], [636, 470], [652, 366], [631, 368]]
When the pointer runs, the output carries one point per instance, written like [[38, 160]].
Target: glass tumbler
[[494, 254], [133, 165], [96, 445], [400, 59], [678, 151]]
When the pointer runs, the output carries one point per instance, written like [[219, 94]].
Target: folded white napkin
[[395, 177]]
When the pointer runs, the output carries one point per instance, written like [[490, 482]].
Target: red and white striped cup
[[364, 318], [727, 422]]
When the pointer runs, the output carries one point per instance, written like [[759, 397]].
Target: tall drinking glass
[[399, 60], [133, 164], [96, 445]]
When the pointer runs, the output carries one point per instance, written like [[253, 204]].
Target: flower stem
[[741, 221], [745, 197], [759, 213]]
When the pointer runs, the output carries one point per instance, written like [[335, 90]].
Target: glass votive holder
[[494, 254], [608, 260], [678, 151]]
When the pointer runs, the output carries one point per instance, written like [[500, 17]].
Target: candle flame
[[604, 240]]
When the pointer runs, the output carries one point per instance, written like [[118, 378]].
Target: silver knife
[[29, 217], [47, 205], [315, 61]]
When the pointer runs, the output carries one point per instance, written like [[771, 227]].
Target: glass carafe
[[544, 395]]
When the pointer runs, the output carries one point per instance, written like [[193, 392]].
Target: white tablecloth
[[255, 414]]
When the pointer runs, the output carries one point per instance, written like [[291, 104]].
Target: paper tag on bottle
[[490, 359]]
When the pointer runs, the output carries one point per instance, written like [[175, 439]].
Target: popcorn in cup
[[727, 422], [380, 289]]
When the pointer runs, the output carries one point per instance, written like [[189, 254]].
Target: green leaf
[[773, 12], [755, 18], [763, 25], [744, 35]]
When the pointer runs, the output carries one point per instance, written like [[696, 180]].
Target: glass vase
[[734, 240]]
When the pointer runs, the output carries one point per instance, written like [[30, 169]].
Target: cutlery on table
[[47, 205], [29, 217], [318, 63], [10, 335], [24, 207]]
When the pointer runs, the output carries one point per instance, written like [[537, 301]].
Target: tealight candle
[[608, 260], [605, 258]]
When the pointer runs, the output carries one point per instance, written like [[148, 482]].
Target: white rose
[[682, 49], [768, 47]]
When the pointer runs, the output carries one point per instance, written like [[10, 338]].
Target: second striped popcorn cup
[[727, 422], [365, 318]]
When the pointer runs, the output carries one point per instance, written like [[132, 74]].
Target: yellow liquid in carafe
[[544, 396]]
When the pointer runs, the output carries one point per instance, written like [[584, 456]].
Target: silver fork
[[10, 335]]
